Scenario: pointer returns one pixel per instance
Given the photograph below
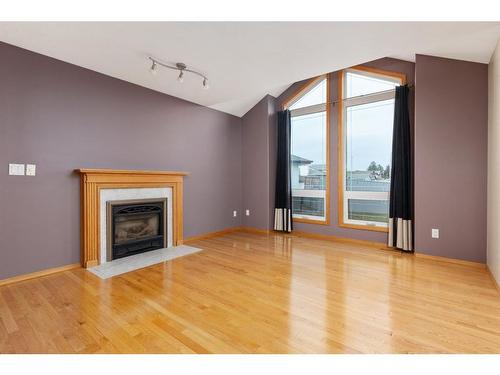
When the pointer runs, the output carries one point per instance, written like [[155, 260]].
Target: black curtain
[[283, 197], [400, 202]]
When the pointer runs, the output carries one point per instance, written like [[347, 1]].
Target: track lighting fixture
[[181, 67]]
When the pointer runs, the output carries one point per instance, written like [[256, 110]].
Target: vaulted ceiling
[[244, 61]]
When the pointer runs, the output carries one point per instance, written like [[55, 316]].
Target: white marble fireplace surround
[[127, 194]]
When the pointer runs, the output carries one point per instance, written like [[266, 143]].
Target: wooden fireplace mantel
[[93, 180]]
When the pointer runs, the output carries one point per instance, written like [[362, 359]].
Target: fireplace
[[135, 226], [95, 184]]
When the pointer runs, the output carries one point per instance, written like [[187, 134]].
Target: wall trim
[[50, 271], [325, 237], [329, 237], [257, 230], [495, 282], [212, 234], [318, 236], [450, 260], [374, 244], [36, 274]]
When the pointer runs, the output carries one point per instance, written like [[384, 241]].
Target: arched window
[[310, 152], [366, 115]]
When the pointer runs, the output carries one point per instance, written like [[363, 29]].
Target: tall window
[[310, 152], [365, 129]]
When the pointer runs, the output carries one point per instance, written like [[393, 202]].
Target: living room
[[249, 187]]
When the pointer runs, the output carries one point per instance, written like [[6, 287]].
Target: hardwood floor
[[252, 293]]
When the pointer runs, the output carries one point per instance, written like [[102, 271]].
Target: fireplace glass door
[[135, 227]]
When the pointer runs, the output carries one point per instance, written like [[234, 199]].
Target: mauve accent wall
[[334, 229], [61, 117], [255, 164], [451, 132]]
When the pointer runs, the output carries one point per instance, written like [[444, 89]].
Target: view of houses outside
[[309, 181], [308, 186], [375, 178]]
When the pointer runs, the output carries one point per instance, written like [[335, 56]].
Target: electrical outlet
[[435, 233], [247, 212], [235, 213], [16, 169], [30, 169]]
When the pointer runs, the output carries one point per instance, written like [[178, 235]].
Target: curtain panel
[[283, 196], [400, 201]]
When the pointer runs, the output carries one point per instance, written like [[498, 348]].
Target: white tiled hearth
[[107, 195], [138, 261]]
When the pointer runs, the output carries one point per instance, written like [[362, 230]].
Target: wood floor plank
[[256, 293]]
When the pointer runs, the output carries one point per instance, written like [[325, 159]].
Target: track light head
[[181, 76], [181, 67], [154, 68]]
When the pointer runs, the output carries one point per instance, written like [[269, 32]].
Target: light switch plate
[[435, 233], [16, 169], [30, 169]]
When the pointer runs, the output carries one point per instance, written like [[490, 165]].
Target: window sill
[[310, 221], [364, 227]]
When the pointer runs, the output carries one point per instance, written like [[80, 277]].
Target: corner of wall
[[257, 165], [493, 200]]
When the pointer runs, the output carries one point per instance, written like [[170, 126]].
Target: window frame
[[342, 107], [294, 97]]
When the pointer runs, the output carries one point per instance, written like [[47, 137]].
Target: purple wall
[[255, 164], [61, 117], [451, 109], [333, 229]]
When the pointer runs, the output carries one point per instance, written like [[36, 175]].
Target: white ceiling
[[244, 61]]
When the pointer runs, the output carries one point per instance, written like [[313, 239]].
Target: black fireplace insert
[[136, 227]]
